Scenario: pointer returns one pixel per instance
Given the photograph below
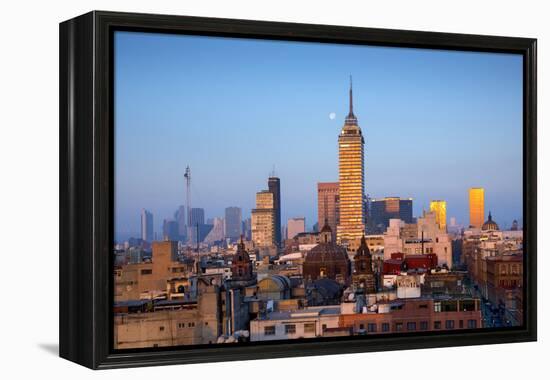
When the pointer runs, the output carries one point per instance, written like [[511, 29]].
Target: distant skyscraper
[[274, 187], [384, 209], [477, 207], [146, 225], [247, 228], [197, 216], [179, 216], [328, 204], [217, 231], [233, 222], [170, 230], [439, 207], [315, 227], [263, 220], [351, 179], [295, 226], [452, 222]]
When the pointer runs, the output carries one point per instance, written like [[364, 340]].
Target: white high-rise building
[[295, 226], [146, 225]]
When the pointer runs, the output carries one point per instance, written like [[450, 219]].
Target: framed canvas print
[[236, 189]]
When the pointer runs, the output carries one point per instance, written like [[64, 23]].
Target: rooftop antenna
[[272, 173], [350, 95], [187, 176]]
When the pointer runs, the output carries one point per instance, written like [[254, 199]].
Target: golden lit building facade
[[477, 207], [351, 226], [263, 220], [439, 207]]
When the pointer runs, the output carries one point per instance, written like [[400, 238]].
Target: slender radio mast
[[188, 188]]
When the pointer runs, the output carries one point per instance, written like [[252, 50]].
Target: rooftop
[[313, 311]]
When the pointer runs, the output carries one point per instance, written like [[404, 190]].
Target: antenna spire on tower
[[350, 95], [351, 119]]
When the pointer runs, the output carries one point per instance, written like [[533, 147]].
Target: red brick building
[[402, 316]]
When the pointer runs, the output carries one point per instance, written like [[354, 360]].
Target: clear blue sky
[[435, 123]]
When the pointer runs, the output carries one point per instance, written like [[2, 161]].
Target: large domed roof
[[490, 225], [323, 252]]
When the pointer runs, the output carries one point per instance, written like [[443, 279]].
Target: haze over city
[[435, 123]]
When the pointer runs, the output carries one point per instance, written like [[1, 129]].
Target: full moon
[[331, 115]]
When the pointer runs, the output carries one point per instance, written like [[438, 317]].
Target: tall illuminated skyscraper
[[263, 220], [440, 209], [351, 169], [477, 207]]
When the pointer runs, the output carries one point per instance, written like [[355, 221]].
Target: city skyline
[[310, 115]]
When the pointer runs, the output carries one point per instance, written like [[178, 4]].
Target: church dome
[[327, 252], [327, 260], [490, 225]]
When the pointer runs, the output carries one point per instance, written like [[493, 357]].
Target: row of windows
[[183, 325], [309, 328], [421, 326]]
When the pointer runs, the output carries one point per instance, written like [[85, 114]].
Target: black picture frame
[[86, 186]]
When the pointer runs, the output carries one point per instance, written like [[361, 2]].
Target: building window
[[437, 307], [309, 328], [472, 323], [461, 324], [181, 325], [423, 306], [411, 326], [424, 325], [161, 328], [437, 325], [385, 327], [269, 330], [449, 324], [146, 271], [361, 326], [399, 326], [290, 329], [371, 327], [468, 305]]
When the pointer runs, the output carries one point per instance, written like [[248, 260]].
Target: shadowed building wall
[[328, 205]]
